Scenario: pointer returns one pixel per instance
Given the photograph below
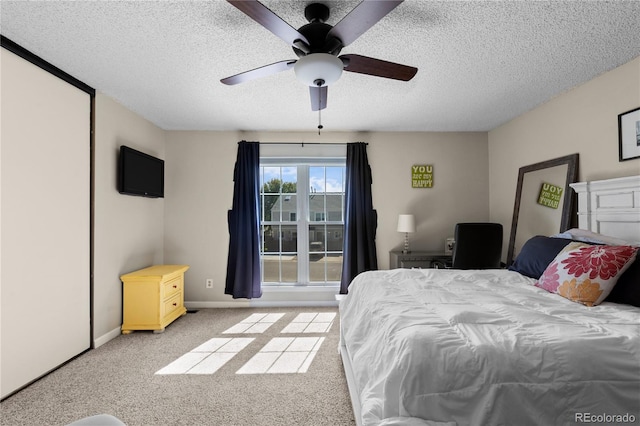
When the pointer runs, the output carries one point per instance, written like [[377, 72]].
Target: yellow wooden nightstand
[[153, 297]]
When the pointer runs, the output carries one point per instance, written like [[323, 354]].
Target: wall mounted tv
[[140, 174]]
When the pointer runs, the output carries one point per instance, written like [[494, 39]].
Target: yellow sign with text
[[422, 176], [550, 195]]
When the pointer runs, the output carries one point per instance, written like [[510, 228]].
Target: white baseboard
[[99, 341], [257, 303], [274, 296], [207, 305]]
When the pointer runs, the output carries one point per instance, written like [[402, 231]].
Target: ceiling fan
[[318, 44]]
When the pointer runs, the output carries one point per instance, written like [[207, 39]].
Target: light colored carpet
[[118, 379]]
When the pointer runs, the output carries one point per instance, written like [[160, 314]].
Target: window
[[302, 221]]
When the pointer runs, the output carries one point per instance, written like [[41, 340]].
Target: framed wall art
[[629, 134], [422, 176]]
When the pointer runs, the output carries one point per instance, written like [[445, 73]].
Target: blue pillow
[[627, 289], [536, 254]]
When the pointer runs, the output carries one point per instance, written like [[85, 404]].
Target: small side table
[[153, 297], [419, 259]]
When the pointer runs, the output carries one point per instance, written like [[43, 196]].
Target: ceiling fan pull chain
[[319, 83]]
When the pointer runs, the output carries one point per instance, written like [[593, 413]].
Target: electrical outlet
[[209, 283]]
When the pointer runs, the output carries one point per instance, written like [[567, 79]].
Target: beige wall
[[200, 191], [129, 231], [583, 120]]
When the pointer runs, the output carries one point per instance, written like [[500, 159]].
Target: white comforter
[[486, 348]]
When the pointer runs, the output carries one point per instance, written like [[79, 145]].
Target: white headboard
[[610, 207]]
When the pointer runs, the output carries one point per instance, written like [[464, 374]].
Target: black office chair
[[477, 246]]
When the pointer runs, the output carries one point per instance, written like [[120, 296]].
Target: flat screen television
[[140, 174]]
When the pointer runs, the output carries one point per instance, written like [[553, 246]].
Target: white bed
[[488, 347]]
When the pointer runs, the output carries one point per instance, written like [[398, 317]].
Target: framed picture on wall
[[629, 134]]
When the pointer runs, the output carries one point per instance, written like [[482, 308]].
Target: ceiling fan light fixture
[[315, 67]]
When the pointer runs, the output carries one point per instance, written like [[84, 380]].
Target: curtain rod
[[304, 143]]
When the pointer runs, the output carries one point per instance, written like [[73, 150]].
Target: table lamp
[[406, 224]]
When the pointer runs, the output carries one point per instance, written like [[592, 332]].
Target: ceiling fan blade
[[265, 17], [260, 72], [318, 97], [364, 16], [377, 67]]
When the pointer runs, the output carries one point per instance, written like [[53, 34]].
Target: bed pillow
[[587, 236], [627, 290], [586, 273], [536, 254]]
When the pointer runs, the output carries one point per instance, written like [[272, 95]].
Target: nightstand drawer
[[171, 287], [419, 259], [414, 263], [171, 305], [413, 258]]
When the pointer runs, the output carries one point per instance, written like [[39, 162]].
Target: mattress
[[486, 348]]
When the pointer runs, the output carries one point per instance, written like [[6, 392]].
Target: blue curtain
[[361, 220], [243, 264]]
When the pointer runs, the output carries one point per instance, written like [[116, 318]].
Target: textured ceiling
[[480, 63]]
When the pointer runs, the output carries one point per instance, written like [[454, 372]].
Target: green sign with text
[[422, 176], [550, 195]]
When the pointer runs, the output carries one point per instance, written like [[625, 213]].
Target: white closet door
[[44, 222]]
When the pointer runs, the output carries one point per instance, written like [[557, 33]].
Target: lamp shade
[[406, 223], [318, 67]]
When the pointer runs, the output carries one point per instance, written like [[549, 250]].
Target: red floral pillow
[[586, 273]]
